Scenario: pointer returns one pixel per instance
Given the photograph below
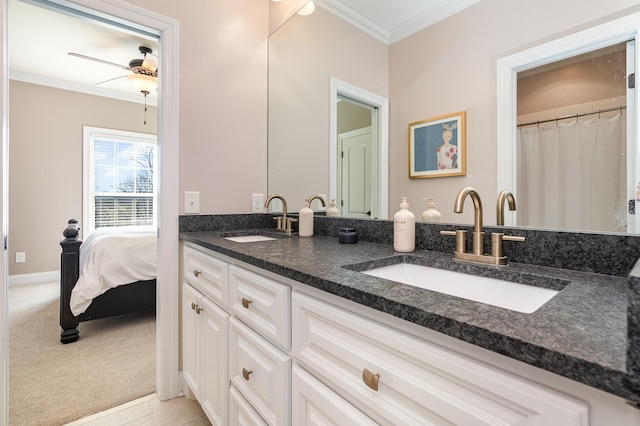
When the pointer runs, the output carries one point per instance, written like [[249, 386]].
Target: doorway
[[358, 177], [572, 143], [601, 36], [168, 383], [357, 158]]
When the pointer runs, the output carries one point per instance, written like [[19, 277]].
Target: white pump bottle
[[404, 229]]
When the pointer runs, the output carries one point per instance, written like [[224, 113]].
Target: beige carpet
[[53, 384]]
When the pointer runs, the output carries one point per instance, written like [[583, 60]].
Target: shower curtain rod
[[576, 116]]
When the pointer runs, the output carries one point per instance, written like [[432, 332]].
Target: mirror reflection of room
[[572, 143]]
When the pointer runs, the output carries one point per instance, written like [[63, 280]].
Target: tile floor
[[149, 411]]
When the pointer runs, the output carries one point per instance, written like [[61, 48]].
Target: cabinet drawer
[[261, 372], [241, 413], [313, 403], [208, 275], [412, 381], [261, 303]]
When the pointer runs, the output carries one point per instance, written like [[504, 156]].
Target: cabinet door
[[214, 377], [190, 341], [312, 403], [261, 372], [399, 379]]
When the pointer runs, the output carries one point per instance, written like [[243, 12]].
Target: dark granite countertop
[[581, 333]]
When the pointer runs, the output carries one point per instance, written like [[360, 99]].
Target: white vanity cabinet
[[235, 351], [204, 353], [395, 378], [205, 333], [294, 355]]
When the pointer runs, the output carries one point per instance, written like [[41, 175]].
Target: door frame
[[168, 384], [597, 37], [340, 88]]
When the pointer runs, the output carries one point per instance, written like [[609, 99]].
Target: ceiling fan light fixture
[[144, 83], [150, 63]]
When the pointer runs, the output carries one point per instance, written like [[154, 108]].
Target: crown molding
[[433, 15], [429, 17], [355, 18], [81, 88]]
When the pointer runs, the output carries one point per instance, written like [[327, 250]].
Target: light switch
[[191, 202]]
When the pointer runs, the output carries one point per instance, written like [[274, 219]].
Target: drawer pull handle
[[196, 272], [193, 306], [370, 379], [245, 373], [246, 303], [199, 309]]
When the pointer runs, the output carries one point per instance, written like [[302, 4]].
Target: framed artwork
[[437, 147]]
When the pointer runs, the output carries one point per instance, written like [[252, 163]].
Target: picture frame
[[437, 147]]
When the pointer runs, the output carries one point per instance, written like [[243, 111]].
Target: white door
[[356, 173]]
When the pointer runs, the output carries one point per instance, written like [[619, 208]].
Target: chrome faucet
[[508, 196], [313, 197], [497, 255], [284, 223]]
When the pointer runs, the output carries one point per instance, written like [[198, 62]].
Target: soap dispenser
[[404, 228], [431, 214], [333, 211], [305, 224]]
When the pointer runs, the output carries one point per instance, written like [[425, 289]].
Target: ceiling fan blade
[[109, 80], [78, 55]]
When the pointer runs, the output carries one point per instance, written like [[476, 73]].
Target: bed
[[113, 274]]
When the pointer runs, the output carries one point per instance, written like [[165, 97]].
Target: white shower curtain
[[573, 175]]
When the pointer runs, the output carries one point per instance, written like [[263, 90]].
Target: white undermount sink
[[505, 294], [249, 238]]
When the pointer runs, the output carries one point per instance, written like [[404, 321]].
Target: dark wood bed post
[[69, 273]]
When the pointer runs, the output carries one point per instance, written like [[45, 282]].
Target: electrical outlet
[[257, 203], [276, 205], [20, 257], [322, 208], [191, 202]]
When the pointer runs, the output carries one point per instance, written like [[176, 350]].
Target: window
[[119, 185]]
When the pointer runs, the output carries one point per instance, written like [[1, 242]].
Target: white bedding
[[111, 258]]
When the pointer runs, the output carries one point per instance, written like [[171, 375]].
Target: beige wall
[[223, 99], [574, 83], [451, 66], [45, 164]]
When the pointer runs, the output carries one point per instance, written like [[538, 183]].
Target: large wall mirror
[[307, 51], [324, 75], [572, 93]]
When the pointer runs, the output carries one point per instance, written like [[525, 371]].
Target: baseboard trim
[[38, 277]]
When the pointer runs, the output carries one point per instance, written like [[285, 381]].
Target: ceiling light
[[307, 9], [145, 84]]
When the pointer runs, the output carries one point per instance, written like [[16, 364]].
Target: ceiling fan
[[144, 71]]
